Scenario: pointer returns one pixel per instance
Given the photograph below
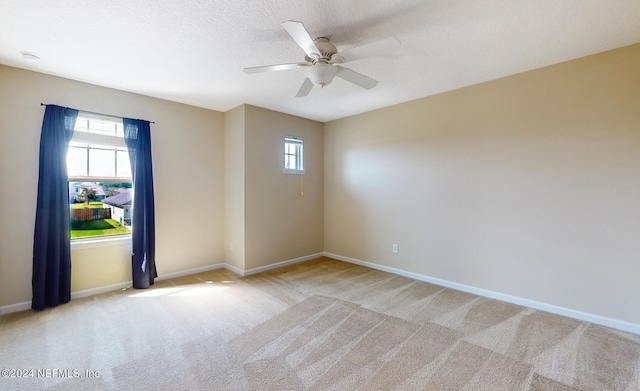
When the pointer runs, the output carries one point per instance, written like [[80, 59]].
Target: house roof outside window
[[121, 200]]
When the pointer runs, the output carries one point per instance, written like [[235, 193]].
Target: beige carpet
[[318, 325]]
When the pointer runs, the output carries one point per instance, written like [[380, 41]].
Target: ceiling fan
[[322, 59]]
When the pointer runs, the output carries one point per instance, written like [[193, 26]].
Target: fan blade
[[301, 36], [305, 88], [356, 78], [371, 49], [271, 68]]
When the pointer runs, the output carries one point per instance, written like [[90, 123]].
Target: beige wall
[[284, 215], [527, 185], [202, 160], [234, 214], [187, 148], [100, 266]]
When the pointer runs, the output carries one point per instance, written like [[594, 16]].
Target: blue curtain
[[137, 135], [51, 281]]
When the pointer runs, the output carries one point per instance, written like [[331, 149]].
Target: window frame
[[99, 140], [298, 155]]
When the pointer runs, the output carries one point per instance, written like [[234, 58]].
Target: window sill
[[79, 244], [290, 171]]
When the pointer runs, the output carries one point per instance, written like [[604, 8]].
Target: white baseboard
[[597, 319], [165, 276], [128, 284], [7, 309], [280, 264], [182, 273], [100, 289], [234, 269], [113, 287]]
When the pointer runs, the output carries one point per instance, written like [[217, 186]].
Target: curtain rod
[[93, 112]]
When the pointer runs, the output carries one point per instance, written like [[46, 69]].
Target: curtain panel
[[51, 281], [138, 139]]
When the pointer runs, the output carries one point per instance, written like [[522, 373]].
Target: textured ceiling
[[194, 51]]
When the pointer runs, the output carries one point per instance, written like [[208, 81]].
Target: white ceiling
[[194, 51]]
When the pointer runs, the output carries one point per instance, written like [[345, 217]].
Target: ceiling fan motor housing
[[326, 48], [321, 73]]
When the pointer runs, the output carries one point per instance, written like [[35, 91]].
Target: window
[[293, 158], [100, 188]]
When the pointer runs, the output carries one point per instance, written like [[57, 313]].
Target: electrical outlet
[[231, 246], [394, 248]]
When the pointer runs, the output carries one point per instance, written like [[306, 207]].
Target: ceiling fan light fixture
[[322, 74], [322, 58]]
